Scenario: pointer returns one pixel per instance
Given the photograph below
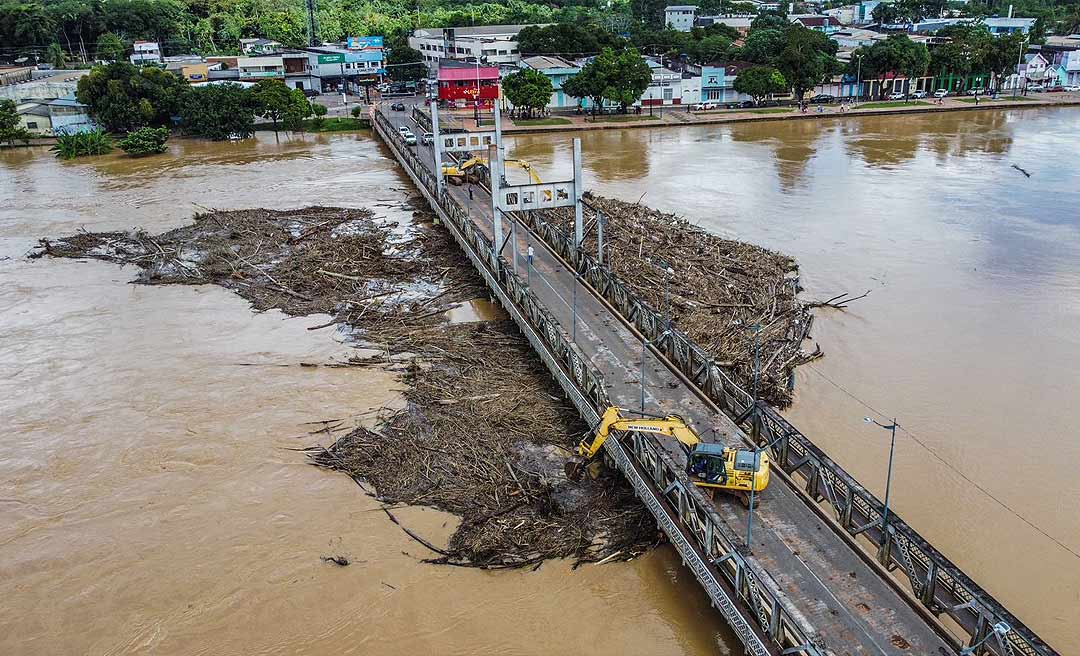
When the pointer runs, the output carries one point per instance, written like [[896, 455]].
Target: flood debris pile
[[729, 297], [331, 260], [485, 435]]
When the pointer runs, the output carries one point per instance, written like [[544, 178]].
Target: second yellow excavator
[[458, 174], [711, 466]]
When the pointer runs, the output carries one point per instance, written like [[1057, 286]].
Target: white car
[[706, 106], [402, 130], [919, 94], [409, 137], [897, 95], [1071, 87], [1033, 88], [941, 93], [976, 92]]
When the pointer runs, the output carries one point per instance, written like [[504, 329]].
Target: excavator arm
[[671, 426]]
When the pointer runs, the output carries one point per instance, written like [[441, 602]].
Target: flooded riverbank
[[970, 336], [155, 503]]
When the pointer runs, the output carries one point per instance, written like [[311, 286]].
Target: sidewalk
[[680, 116]]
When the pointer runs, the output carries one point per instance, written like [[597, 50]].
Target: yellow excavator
[[710, 466], [458, 173]]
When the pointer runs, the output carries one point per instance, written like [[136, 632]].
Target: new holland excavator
[[459, 173], [709, 466]]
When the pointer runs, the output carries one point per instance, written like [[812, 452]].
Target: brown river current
[[150, 502]]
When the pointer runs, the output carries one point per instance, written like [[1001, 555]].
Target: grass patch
[[337, 124], [542, 121], [624, 118], [893, 103], [774, 110]]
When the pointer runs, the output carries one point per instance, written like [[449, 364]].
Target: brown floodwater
[[152, 500], [970, 336]]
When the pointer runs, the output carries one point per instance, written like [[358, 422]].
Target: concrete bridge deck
[[852, 606]]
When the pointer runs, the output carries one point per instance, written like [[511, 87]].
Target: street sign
[[338, 58], [536, 196], [467, 141]]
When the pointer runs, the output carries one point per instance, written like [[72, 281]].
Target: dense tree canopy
[[807, 59], [619, 78], [528, 89], [760, 81], [405, 64], [217, 111], [896, 55], [122, 97]]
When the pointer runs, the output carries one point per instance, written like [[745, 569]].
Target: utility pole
[[312, 32]]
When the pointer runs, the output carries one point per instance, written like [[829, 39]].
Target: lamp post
[[858, 81], [888, 476]]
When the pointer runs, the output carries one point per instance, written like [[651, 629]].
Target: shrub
[[80, 144], [359, 111], [145, 141], [320, 115]]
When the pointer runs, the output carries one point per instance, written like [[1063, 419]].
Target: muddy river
[[151, 501]]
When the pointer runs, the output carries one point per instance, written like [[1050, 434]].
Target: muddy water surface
[[970, 335], [151, 502]]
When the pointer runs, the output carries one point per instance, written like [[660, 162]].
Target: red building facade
[[458, 85]]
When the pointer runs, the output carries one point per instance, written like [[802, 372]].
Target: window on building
[[31, 125]]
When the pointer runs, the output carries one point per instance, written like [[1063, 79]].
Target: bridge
[[825, 573]]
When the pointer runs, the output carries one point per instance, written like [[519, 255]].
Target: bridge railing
[[938, 584], [761, 615]]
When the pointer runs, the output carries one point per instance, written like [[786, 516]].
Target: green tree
[[11, 129], [320, 115], [528, 89], [145, 141], [999, 55], [807, 59], [217, 111], [895, 55], [122, 97], [406, 64], [300, 108], [565, 39], [770, 20], [82, 144], [55, 55], [762, 46], [110, 48], [619, 78], [272, 99], [711, 49], [759, 82]]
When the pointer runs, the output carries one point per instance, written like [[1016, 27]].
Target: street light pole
[[858, 82], [888, 476]]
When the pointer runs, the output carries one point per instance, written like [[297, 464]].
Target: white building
[[494, 45], [680, 17], [665, 89], [738, 22], [146, 52]]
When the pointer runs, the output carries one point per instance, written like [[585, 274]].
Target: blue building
[[558, 70], [718, 82]]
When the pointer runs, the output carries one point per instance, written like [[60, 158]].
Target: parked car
[[311, 93], [918, 94], [941, 93], [823, 98], [1055, 89], [897, 95], [1071, 87], [741, 105], [427, 138], [410, 138], [1035, 88], [706, 106], [397, 107]]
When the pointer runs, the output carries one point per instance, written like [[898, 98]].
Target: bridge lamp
[[888, 476]]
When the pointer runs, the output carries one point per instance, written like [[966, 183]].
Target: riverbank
[[682, 117]]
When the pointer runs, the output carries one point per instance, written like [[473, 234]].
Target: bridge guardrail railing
[[765, 619], [935, 581]]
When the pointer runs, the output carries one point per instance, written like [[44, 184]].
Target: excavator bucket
[[573, 469]]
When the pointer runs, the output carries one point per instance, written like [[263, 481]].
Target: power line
[[947, 464]]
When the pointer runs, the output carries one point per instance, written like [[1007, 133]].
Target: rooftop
[[451, 73], [544, 62], [681, 7]]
